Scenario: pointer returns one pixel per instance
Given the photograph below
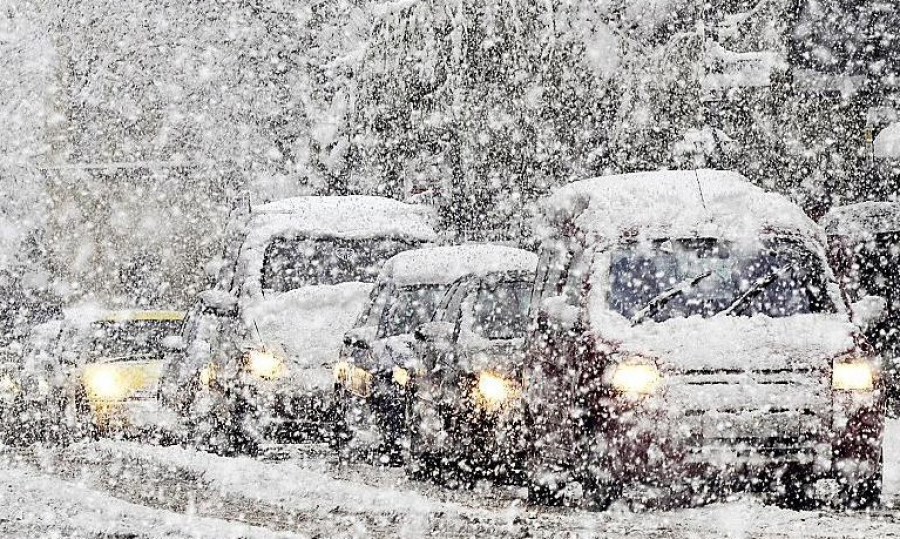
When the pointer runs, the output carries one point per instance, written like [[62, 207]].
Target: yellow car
[[118, 359]]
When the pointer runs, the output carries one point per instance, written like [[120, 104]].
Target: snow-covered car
[[112, 363], [864, 251], [379, 357], [35, 376], [465, 416], [301, 272], [689, 328]]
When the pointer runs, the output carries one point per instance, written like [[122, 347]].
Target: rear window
[[292, 263]]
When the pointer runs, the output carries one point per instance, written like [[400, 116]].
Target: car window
[[291, 263], [500, 310], [131, 337], [408, 308], [552, 263], [639, 273]]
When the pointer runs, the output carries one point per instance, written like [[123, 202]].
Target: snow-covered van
[[379, 357], [300, 271], [689, 327]]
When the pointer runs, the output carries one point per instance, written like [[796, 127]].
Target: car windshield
[[292, 263], [501, 311], [130, 338], [409, 307], [874, 267], [640, 273]]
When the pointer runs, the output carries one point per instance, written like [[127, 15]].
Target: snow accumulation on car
[[690, 330], [296, 276], [380, 354]]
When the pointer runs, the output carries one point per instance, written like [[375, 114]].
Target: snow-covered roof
[[344, 217], [862, 219], [707, 203], [443, 265]]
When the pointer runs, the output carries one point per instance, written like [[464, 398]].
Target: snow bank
[[35, 505], [706, 203], [862, 219], [444, 265]]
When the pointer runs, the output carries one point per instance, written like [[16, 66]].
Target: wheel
[[217, 427], [421, 464], [864, 493], [795, 490]]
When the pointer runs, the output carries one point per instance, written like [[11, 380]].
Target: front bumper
[[287, 416]]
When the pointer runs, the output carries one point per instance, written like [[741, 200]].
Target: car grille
[[765, 408]]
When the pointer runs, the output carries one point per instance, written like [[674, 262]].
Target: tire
[[220, 431], [866, 493], [796, 491]]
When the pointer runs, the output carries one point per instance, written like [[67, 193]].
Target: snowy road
[[125, 490]]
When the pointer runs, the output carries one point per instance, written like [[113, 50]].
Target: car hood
[[737, 343], [308, 324]]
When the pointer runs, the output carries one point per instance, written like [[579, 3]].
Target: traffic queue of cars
[[675, 330]]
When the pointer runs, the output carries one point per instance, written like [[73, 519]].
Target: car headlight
[[635, 377], [104, 383], [493, 391], [207, 374], [853, 375], [353, 378], [264, 364], [400, 376], [8, 388]]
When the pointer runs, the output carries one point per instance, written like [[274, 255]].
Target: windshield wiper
[[738, 305], [660, 300]]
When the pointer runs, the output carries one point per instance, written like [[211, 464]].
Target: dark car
[[465, 416], [379, 357], [864, 251], [690, 332]]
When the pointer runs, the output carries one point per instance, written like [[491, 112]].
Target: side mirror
[[218, 302], [174, 343], [868, 311], [555, 312], [360, 337], [434, 331]]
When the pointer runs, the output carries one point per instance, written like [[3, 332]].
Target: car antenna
[[700, 189], [258, 334]]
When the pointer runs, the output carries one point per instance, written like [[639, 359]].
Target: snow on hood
[[309, 323], [862, 219], [732, 342], [706, 203], [444, 265]]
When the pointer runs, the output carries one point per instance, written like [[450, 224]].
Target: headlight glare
[[104, 383], [353, 378], [265, 364], [493, 391], [400, 376], [854, 375], [635, 377], [208, 374]]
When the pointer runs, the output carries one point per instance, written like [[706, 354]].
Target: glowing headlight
[[635, 378], [353, 378], [853, 376], [207, 374], [264, 364], [104, 383], [492, 391], [8, 388], [400, 376]]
